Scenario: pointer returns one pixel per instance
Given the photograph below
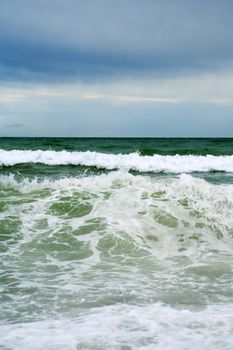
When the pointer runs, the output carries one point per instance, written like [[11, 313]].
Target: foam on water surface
[[128, 327]]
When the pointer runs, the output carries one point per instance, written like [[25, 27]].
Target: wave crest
[[133, 161]]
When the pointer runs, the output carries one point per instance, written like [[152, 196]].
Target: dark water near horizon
[[116, 243], [145, 146]]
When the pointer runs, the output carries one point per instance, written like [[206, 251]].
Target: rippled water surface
[[116, 244]]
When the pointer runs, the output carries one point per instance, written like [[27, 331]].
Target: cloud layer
[[88, 40]]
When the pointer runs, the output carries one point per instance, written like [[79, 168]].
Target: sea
[[116, 243]]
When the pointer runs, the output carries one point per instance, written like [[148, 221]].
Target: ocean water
[[116, 244]]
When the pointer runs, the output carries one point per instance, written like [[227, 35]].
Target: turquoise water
[[116, 243]]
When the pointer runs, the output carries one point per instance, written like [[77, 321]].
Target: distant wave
[[132, 161]]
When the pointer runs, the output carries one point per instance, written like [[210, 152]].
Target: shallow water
[[116, 249]]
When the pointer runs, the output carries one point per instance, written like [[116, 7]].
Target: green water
[[100, 258], [146, 146]]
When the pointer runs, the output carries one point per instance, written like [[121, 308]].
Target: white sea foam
[[132, 161], [147, 327]]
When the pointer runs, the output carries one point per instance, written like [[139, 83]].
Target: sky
[[137, 68]]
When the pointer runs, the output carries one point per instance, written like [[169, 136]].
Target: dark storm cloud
[[84, 40]]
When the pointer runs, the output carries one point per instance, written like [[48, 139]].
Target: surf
[[132, 161]]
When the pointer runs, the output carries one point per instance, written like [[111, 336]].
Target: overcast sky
[[116, 68]]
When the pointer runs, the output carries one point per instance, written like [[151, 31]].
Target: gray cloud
[[46, 40]]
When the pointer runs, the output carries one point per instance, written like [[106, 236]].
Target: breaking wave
[[169, 216], [132, 161]]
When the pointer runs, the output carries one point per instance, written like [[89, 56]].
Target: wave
[[132, 161], [167, 217]]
